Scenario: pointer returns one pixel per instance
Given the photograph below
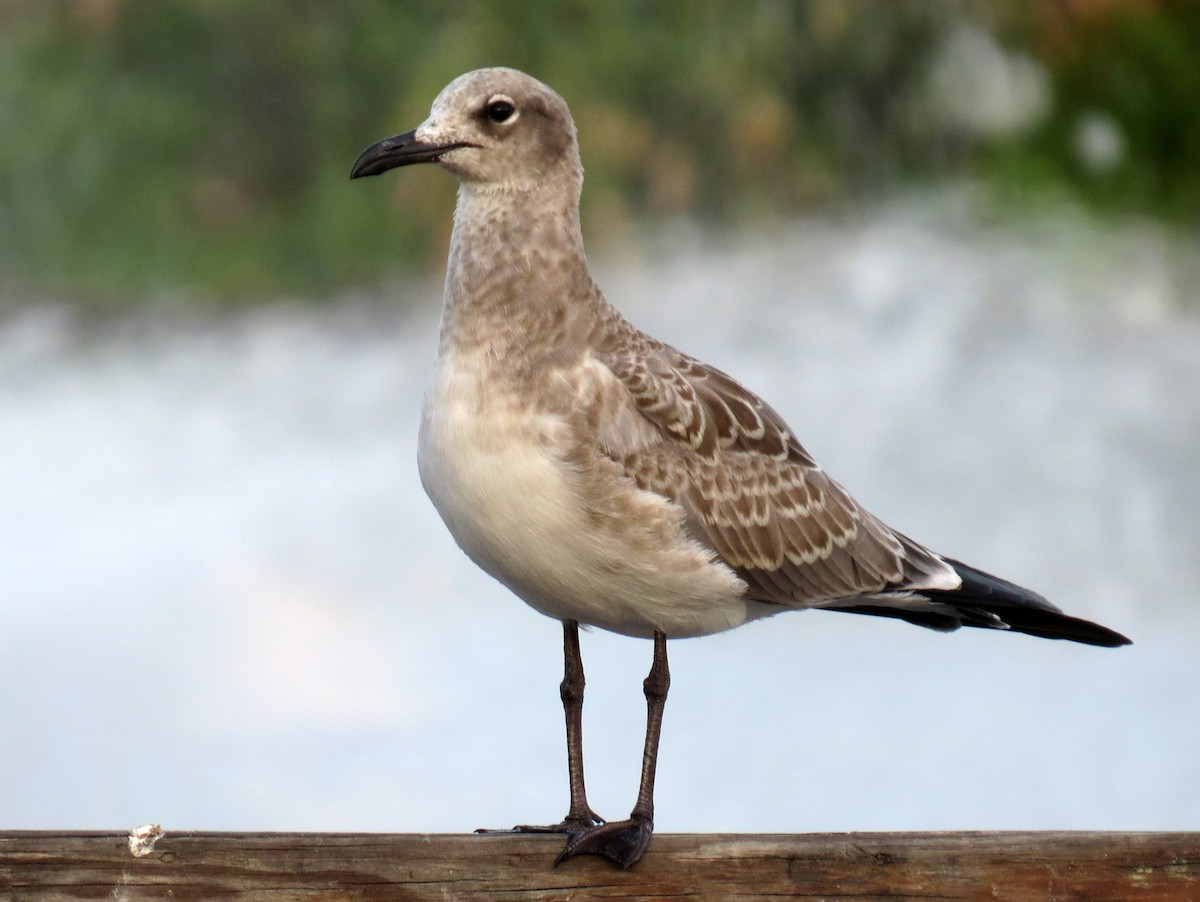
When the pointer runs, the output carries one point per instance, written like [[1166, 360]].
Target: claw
[[621, 841]]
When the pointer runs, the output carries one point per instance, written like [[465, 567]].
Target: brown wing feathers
[[756, 497], [752, 492]]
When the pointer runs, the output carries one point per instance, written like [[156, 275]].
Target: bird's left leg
[[579, 815], [625, 841]]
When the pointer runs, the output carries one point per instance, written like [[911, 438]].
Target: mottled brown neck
[[517, 283]]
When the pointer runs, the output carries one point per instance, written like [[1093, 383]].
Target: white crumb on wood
[[143, 838]]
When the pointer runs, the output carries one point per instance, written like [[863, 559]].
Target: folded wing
[[758, 499]]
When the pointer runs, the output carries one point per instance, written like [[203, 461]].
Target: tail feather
[[987, 602]]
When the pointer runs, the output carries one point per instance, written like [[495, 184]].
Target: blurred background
[[225, 602]]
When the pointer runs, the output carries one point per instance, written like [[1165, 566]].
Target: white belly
[[496, 473]]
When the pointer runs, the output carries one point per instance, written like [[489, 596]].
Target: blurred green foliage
[[199, 149], [1134, 68]]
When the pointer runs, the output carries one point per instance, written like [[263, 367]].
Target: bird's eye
[[500, 109]]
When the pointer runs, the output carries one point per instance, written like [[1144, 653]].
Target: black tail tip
[[1102, 636]]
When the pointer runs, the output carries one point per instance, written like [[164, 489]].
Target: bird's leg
[[579, 816], [625, 841], [571, 690]]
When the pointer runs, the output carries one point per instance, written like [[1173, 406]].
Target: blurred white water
[[226, 603]]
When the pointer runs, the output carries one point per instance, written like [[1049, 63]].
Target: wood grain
[[321, 866]]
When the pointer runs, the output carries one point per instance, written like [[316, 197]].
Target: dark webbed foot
[[621, 841], [570, 825]]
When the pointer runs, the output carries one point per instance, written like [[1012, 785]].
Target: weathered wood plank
[[307, 867]]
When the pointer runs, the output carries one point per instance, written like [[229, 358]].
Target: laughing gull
[[610, 480]]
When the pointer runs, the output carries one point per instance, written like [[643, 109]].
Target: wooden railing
[[44, 865]]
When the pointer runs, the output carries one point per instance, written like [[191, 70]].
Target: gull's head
[[496, 128]]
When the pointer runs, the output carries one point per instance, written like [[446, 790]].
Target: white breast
[[497, 472]]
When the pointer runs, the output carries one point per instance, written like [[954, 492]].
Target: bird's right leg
[[580, 815]]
